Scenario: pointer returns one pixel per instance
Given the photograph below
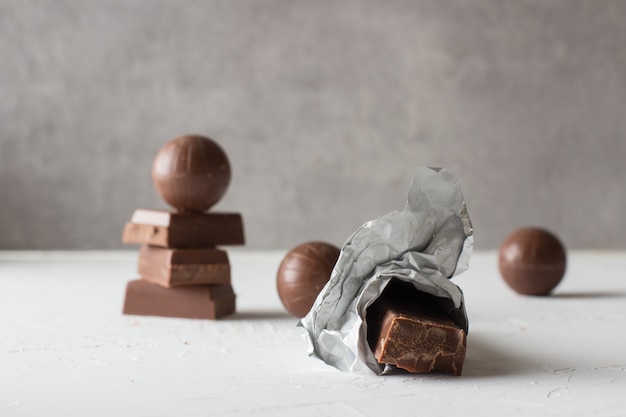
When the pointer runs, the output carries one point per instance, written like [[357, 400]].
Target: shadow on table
[[484, 359], [260, 315], [589, 294]]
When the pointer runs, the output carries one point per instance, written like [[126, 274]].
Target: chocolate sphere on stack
[[532, 261], [183, 272], [191, 173], [303, 273]]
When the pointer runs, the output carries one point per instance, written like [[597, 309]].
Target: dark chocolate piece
[[303, 273], [413, 331], [184, 230], [191, 173], [532, 261], [177, 267], [195, 302]]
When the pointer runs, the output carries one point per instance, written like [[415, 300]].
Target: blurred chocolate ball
[[532, 261], [303, 273], [191, 173]]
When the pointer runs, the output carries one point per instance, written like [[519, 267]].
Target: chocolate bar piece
[[195, 302], [411, 330], [176, 267], [184, 230]]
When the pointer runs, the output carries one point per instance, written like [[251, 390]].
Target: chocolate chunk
[[196, 302], [184, 230], [413, 331], [177, 267]]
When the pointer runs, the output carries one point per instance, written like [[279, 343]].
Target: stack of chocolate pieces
[[183, 272]]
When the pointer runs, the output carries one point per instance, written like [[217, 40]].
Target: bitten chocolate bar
[[184, 230], [411, 330], [177, 267], [195, 302]]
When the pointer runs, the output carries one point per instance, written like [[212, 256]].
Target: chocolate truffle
[[191, 173], [303, 273], [532, 261]]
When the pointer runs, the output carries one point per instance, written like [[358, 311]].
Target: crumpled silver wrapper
[[426, 244]]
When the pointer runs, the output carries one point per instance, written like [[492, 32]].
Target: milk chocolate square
[[178, 267], [196, 302], [184, 230]]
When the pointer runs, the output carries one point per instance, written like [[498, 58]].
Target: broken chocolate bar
[[177, 267], [412, 330], [184, 230], [195, 302]]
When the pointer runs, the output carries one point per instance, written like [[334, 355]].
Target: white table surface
[[66, 349]]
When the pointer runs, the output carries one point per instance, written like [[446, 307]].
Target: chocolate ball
[[191, 173], [303, 273], [532, 261]]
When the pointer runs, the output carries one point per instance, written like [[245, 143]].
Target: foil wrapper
[[426, 244]]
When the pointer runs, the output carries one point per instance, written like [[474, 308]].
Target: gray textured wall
[[326, 108]]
